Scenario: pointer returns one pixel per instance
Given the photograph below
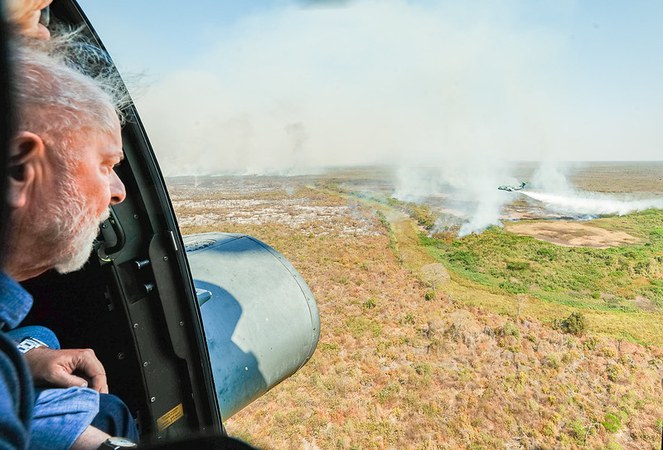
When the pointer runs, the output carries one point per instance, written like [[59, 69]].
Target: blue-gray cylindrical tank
[[260, 318]]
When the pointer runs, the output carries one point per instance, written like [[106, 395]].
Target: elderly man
[[61, 182], [60, 186]]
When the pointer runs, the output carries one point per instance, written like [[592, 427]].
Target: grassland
[[445, 343], [620, 289]]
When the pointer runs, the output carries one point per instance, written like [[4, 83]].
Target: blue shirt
[[16, 394]]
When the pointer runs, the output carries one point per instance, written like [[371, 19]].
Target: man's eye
[[108, 168]]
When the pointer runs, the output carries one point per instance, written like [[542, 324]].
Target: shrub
[[464, 258], [574, 324], [613, 372], [388, 392], [370, 303], [552, 361], [423, 369], [420, 213], [547, 253], [383, 220], [578, 430], [510, 329], [328, 346], [423, 217], [513, 288], [517, 265], [590, 343], [611, 423], [358, 326]]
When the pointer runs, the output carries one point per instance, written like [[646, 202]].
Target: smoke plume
[[386, 82], [459, 91]]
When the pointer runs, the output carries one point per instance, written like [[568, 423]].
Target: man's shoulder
[[16, 396]]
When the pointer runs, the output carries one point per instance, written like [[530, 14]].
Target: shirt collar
[[15, 302]]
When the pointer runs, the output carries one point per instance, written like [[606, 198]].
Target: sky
[[289, 85]]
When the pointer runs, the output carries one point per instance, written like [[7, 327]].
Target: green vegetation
[[574, 324], [510, 329], [360, 326], [578, 431], [601, 279], [612, 422], [614, 286], [387, 226], [420, 213]]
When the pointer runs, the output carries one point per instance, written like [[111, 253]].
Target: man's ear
[[26, 156]]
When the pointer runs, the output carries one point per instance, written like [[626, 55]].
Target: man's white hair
[[65, 88]]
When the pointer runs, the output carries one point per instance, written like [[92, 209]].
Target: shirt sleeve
[[15, 397], [61, 415]]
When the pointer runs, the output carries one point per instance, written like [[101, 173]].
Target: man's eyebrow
[[116, 155], [116, 158]]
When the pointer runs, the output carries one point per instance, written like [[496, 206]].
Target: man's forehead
[[117, 147], [108, 144]]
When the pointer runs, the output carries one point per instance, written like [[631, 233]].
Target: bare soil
[[572, 234]]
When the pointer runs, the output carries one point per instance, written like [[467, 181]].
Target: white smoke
[[374, 82], [593, 204], [550, 185], [551, 176], [466, 188], [464, 193]]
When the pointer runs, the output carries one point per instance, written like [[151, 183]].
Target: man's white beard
[[80, 245], [72, 228]]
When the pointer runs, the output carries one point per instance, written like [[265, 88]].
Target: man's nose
[[118, 193]]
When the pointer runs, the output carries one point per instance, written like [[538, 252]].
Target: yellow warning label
[[170, 417]]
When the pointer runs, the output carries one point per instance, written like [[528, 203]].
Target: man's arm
[[15, 397], [91, 439]]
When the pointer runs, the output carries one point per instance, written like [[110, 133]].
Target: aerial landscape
[[473, 191], [540, 331]]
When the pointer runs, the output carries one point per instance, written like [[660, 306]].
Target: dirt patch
[[572, 234], [644, 303]]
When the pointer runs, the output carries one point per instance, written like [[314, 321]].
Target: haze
[[290, 86]]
